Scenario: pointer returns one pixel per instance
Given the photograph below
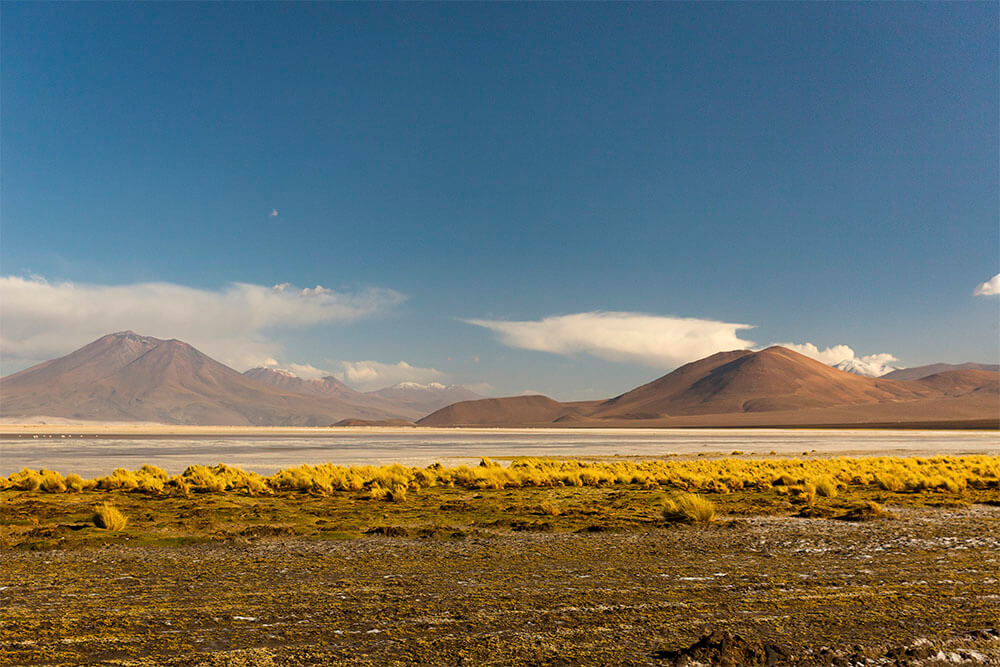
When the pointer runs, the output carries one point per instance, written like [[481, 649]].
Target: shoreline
[[145, 430]]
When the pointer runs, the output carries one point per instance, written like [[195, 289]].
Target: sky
[[563, 198]]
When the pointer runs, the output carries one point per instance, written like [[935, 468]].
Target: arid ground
[[528, 575]]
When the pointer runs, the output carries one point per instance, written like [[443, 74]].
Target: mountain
[[743, 381], [918, 372], [962, 383], [865, 368], [288, 381], [776, 386], [406, 400], [422, 399], [504, 411], [128, 377]]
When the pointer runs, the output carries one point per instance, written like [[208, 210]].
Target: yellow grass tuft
[[52, 482], [689, 508], [550, 508], [826, 487], [74, 483], [108, 517]]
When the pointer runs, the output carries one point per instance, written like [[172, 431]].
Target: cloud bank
[[990, 288], [844, 358], [371, 375], [649, 340], [658, 342], [40, 320]]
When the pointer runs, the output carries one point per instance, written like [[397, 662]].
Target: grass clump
[[826, 488], [689, 508], [108, 517], [866, 512], [549, 508]]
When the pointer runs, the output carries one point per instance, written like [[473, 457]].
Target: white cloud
[[650, 340], [307, 371], [371, 375], [659, 342], [41, 320], [844, 358], [990, 288]]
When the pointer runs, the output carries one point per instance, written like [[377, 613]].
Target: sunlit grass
[[801, 480], [108, 517], [689, 508]]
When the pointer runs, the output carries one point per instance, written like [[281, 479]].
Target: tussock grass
[[826, 488], [109, 518], [549, 508], [802, 481], [74, 483], [689, 508]]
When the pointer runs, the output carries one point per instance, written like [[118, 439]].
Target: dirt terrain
[[917, 589]]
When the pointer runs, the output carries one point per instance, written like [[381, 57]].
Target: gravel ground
[[922, 588]]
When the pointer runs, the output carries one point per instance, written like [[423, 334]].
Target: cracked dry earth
[[923, 588]]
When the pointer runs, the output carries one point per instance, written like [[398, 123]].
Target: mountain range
[[128, 377], [771, 387]]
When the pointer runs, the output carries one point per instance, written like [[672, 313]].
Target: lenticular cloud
[[650, 340]]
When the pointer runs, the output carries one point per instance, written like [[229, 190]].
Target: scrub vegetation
[[534, 562], [44, 509], [808, 478]]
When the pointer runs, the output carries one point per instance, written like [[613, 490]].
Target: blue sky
[[827, 173]]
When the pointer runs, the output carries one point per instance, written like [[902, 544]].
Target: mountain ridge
[[127, 377], [753, 388]]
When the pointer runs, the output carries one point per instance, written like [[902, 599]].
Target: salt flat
[[92, 450]]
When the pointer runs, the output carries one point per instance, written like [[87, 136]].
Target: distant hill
[[918, 372], [406, 400], [128, 377], [502, 411], [422, 399], [776, 386], [374, 422]]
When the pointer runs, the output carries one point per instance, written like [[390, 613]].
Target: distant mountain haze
[[409, 400], [918, 372]]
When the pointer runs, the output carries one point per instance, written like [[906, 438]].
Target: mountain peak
[[124, 376]]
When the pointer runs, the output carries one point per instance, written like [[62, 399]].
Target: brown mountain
[[504, 411], [127, 377], [918, 372], [743, 381], [775, 386], [962, 383]]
